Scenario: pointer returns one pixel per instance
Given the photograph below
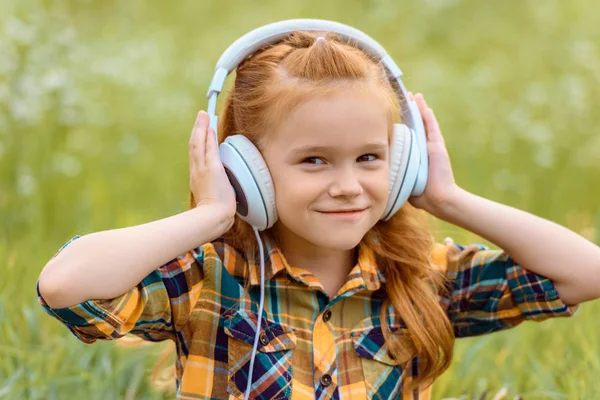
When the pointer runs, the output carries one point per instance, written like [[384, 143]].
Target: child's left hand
[[441, 189]]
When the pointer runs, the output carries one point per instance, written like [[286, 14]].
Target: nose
[[346, 183]]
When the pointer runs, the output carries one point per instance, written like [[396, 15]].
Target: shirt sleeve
[[488, 291], [153, 310]]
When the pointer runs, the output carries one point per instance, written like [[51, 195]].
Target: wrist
[[219, 218], [450, 206]]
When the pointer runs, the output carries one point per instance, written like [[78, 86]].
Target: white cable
[[260, 311]]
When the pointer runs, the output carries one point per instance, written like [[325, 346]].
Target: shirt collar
[[365, 273]]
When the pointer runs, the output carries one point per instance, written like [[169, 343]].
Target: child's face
[[331, 154]]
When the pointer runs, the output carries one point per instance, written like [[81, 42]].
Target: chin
[[337, 240]]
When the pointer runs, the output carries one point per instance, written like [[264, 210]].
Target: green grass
[[97, 100]]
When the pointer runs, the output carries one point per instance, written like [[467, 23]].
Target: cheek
[[293, 189], [378, 185]]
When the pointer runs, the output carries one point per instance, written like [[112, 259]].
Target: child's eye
[[313, 160], [368, 157]]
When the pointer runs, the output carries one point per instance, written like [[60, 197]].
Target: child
[[355, 305]]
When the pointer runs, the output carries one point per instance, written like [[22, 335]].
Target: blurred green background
[[97, 100]]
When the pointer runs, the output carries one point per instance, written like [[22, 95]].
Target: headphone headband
[[274, 32]]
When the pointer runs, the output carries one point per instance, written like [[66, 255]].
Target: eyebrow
[[370, 147]]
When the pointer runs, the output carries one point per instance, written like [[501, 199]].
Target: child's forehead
[[335, 122], [338, 106]]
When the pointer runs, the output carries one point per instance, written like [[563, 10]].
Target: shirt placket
[[325, 379]]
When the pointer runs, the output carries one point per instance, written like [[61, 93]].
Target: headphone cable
[[260, 311]]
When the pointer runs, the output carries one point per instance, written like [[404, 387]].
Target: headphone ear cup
[[421, 141], [404, 163], [250, 177]]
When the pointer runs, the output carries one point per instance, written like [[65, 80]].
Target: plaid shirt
[[311, 347]]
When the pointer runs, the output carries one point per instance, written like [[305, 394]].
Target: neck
[[331, 266]]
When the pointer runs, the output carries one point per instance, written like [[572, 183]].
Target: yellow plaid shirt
[[311, 346]]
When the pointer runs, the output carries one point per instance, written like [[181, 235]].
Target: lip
[[345, 215], [343, 210]]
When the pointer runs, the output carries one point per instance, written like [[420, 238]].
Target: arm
[[105, 265], [570, 261], [487, 291], [539, 245]]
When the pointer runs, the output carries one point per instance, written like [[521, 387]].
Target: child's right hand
[[208, 180]]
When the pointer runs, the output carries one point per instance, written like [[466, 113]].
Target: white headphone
[[247, 170]]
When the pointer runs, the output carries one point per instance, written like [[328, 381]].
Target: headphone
[[245, 166]]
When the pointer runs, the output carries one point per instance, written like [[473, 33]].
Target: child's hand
[[441, 186], [208, 181]]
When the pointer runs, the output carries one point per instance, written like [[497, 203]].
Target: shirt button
[[326, 315], [264, 340], [326, 380]]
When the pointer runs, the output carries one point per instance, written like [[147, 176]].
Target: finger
[[212, 151], [420, 100], [198, 140], [423, 110], [435, 133], [432, 128]]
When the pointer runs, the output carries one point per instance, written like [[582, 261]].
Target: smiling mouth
[[344, 211], [344, 215]]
